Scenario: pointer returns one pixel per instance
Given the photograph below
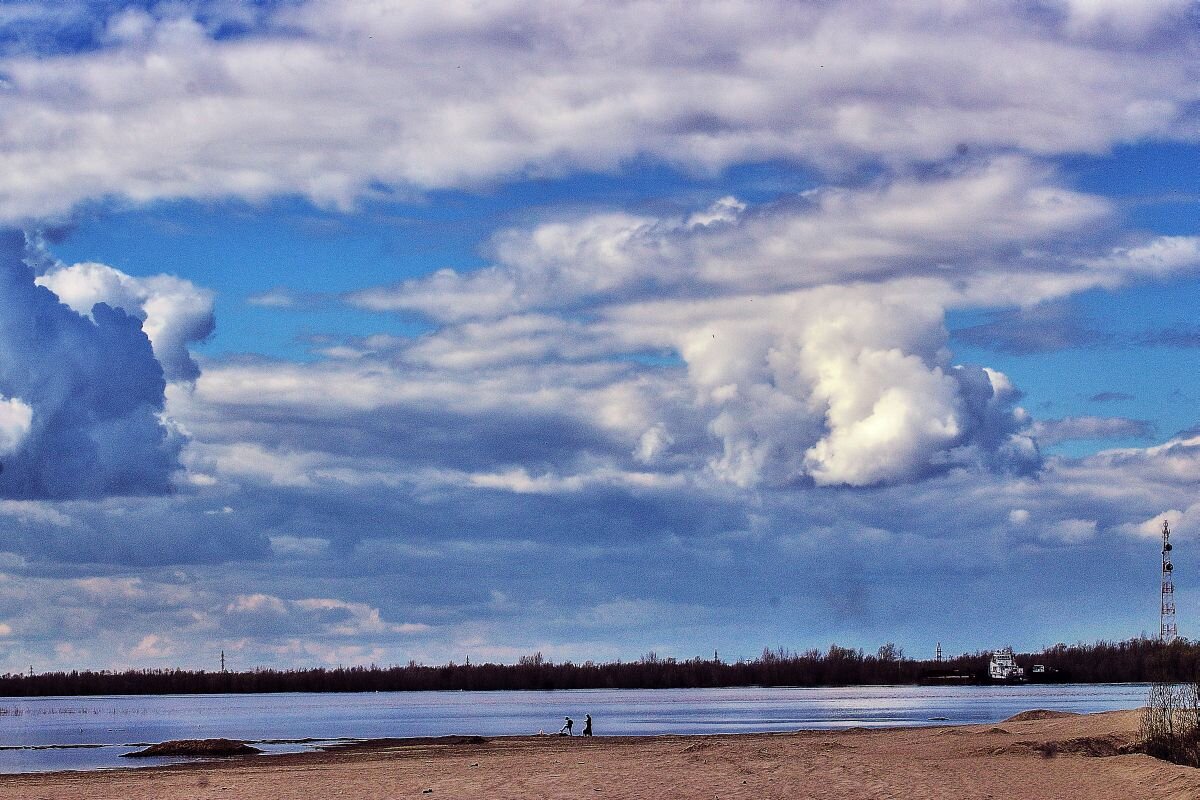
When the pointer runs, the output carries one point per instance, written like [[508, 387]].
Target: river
[[86, 733]]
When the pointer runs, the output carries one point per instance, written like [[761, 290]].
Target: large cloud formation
[[810, 330], [83, 396], [332, 99]]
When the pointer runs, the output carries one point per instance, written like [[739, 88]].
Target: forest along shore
[[1034, 756], [1139, 660]]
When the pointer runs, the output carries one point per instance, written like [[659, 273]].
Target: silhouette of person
[[566, 728], [587, 724]]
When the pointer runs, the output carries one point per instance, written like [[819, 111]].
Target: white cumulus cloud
[[16, 418], [174, 312]]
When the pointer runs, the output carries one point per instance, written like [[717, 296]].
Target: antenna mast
[[1167, 631]]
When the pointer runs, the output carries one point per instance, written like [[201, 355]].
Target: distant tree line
[[1134, 660]]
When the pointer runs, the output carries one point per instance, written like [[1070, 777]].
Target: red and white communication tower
[[1166, 623]]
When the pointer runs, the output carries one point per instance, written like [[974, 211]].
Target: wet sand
[[1059, 758]]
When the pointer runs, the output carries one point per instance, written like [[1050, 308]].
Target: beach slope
[[1034, 757]]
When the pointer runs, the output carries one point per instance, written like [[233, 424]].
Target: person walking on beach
[[566, 728], [587, 724]]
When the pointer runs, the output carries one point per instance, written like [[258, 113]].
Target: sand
[[1060, 757]]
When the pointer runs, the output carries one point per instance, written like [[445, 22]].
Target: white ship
[[1004, 666]]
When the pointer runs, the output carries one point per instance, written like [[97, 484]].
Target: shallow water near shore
[[87, 733]]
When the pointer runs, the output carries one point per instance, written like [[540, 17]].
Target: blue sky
[[349, 332]]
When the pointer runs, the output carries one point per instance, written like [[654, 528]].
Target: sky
[[340, 332]]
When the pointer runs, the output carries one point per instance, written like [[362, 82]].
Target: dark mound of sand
[[414, 741], [196, 747], [1110, 745], [1094, 746], [1039, 713]]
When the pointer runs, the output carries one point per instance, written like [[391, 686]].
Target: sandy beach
[[1059, 757]]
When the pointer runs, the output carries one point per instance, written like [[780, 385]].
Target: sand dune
[[1032, 757]]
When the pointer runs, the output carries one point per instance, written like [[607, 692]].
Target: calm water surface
[[82, 733]]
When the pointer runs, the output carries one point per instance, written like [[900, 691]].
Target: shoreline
[[974, 683], [1040, 756]]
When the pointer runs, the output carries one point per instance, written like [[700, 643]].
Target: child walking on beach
[[566, 728]]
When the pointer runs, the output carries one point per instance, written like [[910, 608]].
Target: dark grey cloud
[[95, 390], [1051, 327], [1181, 336], [1190, 432], [143, 534], [1043, 328], [602, 573], [1110, 397], [1052, 431]]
